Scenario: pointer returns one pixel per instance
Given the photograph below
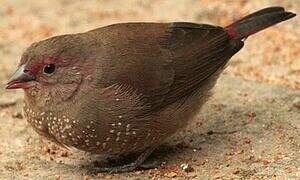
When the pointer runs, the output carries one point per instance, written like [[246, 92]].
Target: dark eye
[[49, 69]]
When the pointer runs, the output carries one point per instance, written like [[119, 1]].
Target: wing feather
[[164, 62]]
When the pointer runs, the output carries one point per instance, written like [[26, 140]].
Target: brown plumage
[[125, 88]]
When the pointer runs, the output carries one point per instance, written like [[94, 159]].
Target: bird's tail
[[257, 21]]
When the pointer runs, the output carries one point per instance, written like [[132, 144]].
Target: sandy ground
[[248, 130]]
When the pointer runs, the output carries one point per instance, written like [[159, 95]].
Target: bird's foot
[[137, 164], [129, 167]]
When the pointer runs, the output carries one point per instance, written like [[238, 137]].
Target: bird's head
[[51, 70]]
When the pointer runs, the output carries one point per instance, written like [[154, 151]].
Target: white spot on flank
[[120, 117], [134, 145], [112, 131], [119, 123], [89, 78]]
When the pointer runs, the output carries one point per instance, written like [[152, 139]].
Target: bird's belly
[[119, 137]]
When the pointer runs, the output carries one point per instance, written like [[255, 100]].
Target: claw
[[137, 164]]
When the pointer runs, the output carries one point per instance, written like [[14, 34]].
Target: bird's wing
[[163, 62], [131, 54], [123, 101], [199, 53]]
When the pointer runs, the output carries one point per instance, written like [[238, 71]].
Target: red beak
[[22, 78]]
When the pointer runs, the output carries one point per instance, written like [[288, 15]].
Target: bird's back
[[162, 61]]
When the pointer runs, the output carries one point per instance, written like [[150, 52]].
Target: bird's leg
[[113, 158], [138, 163]]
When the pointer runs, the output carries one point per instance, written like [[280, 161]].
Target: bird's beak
[[22, 78]]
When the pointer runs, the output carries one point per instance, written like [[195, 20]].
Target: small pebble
[[171, 174], [236, 171], [296, 103], [57, 177], [210, 132], [64, 154], [187, 168]]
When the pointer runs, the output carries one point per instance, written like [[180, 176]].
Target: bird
[[127, 87]]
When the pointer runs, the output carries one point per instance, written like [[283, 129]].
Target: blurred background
[[271, 57]]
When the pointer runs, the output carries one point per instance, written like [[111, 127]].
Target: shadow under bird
[[125, 88]]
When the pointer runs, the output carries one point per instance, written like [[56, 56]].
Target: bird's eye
[[49, 69]]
